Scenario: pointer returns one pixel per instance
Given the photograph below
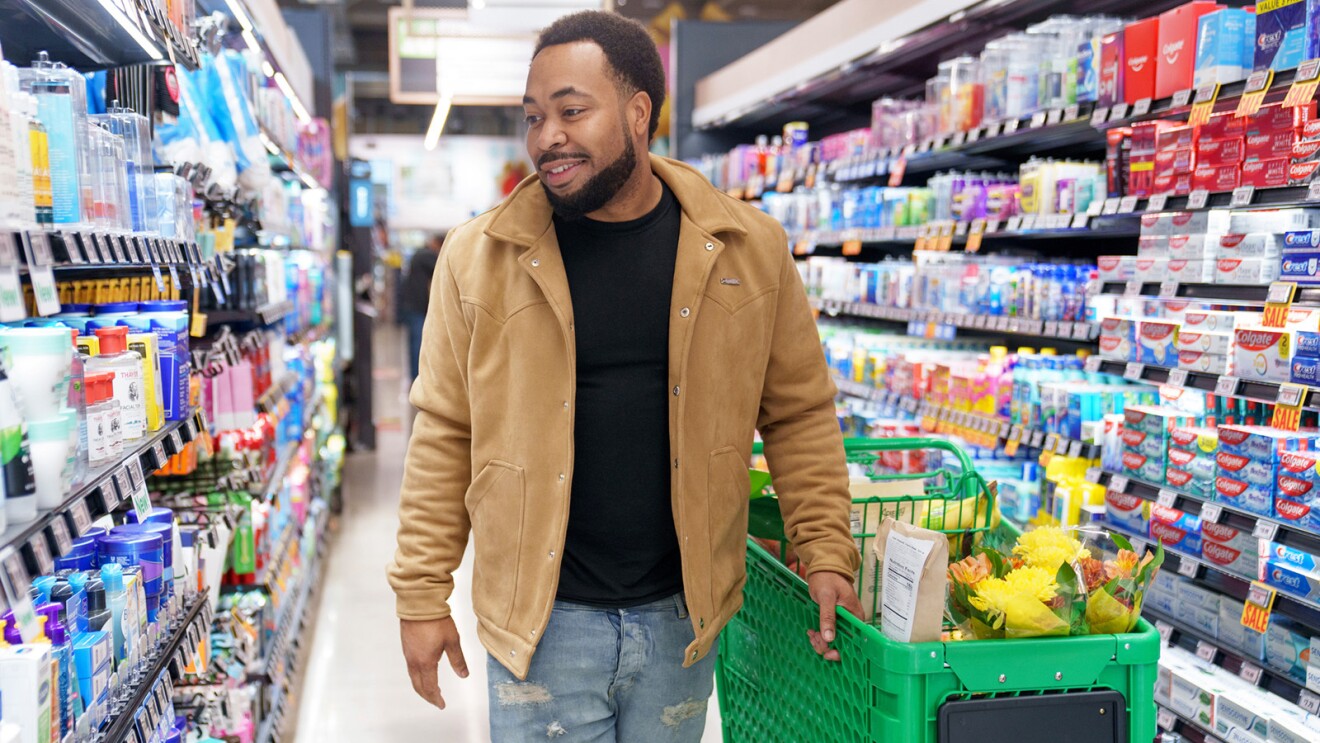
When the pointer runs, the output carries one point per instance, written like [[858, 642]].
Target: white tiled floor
[[356, 687]]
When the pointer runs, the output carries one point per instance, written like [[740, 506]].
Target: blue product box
[[1299, 560], [1308, 344], [1225, 47], [1302, 266], [1088, 69], [1282, 34], [91, 650], [1306, 370], [1292, 580], [1176, 530], [1301, 239], [1233, 634], [1244, 496], [1286, 649]]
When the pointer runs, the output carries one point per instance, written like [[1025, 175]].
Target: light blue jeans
[[606, 676]]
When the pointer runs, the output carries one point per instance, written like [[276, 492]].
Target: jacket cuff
[[844, 561], [421, 605]]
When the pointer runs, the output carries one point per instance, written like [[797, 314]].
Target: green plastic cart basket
[[773, 688]]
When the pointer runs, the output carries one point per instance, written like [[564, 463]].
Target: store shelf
[[942, 419], [1246, 294], [1190, 731], [104, 490], [1281, 532], [89, 35], [284, 161], [196, 615], [1030, 228], [290, 623], [1064, 331], [281, 469], [1182, 635], [265, 315], [1246, 389], [1179, 103], [271, 398]]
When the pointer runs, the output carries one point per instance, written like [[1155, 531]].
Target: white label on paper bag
[[905, 558]]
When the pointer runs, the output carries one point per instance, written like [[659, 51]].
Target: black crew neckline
[[640, 224]]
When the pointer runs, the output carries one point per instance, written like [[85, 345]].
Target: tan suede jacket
[[492, 447]]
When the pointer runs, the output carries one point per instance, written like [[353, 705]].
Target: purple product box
[[1301, 266]]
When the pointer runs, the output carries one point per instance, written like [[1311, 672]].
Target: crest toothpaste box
[[1306, 370], [1308, 344], [1302, 239], [1225, 46], [1292, 580], [1281, 35], [1301, 266], [1263, 353], [1297, 559]]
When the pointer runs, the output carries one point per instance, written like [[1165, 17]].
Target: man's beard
[[596, 192]]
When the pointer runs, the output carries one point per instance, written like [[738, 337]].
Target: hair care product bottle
[[129, 386]]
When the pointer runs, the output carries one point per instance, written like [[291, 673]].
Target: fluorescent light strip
[[267, 69], [438, 122], [115, 12], [236, 7], [270, 146], [298, 107], [251, 40]]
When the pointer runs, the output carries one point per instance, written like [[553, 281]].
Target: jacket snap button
[[675, 390], [684, 312], [710, 246], [561, 477], [536, 262], [552, 554], [533, 633], [566, 405]]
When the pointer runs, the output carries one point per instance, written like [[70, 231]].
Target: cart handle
[[896, 444]]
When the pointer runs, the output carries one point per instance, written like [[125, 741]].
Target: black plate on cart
[[1080, 717]]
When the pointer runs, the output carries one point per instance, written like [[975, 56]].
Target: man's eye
[[532, 120], [573, 111]]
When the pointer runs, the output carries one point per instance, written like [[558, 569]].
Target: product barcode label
[[1075, 448], [1132, 289], [1110, 206], [1093, 475], [1079, 221], [1168, 289], [1187, 567], [1093, 364], [82, 518], [1180, 99], [1099, 116], [1054, 116], [1118, 483], [1118, 112]]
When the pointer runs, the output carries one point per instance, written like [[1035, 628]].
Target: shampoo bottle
[[129, 387]]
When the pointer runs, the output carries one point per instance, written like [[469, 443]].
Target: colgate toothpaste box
[[1117, 348], [1281, 35], [1263, 442], [1300, 265], [1244, 496], [1251, 471], [1211, 321], [1198, 440], [1156, 224], [1269, 144], [1297, 494], [1110, 84], [1229, 151], [1192, 270], [1157, 342], [1266, 173], [1173, 184], [1208, 363], [1253, 245], [1276, 118], [1116, 267], [1153, 246], [1273, 220], [1176, 530], [1187, 482], [1176, 65], [1306, 149], [1210, 222], [1221, 126], [1175, 137], [1127, 512], [1150, 469], [1263, 353], [1246, 270], [1302, 173], [1151, 445], [1140, 59], [1192, 246], [1290, 580], [1216, 177], [1152, 270], [1216, 343], [1181, 160], [1227, 536], [1301, 318], [1153, 419]]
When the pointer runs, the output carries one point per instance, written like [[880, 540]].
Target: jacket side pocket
[[495, 505], [727, 491]]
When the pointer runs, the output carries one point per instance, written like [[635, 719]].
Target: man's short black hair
[[628, 48]]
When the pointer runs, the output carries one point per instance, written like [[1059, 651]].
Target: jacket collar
[[526, 214]]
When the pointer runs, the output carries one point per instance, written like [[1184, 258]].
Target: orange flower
[[1093, 571], [971, 571], [1125, 566]]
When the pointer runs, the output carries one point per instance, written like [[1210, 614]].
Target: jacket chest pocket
[[495, 503], [727, 486]]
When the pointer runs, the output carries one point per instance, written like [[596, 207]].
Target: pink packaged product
[[1116, 267], [1217, 152], [1270, 144], [1223, 125], [1181, 160]]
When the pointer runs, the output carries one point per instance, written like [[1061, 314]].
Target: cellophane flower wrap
[[1050, 584]]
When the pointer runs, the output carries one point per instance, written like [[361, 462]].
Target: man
[[600, 350], [416, 296]]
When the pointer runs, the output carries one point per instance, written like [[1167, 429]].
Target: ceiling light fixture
[[235, 7], [298, 107], [438, 122], [266, 69], [250, 39], [147, 45]]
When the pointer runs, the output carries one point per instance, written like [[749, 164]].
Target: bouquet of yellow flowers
[[1050, 584]]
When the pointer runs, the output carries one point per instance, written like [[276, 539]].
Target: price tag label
[[1242, 196], [1011, 126], [1226, 386], [1253, 93], [41, 553], [1051, 443], [1141, 107], [1168, 290], [1082, 331], [1079, 221], [1111, 206], [1014, 224], [1132, 289], [974, 135], [1075, 448], [1204, 105], [1309, 702], [1165, 629], [1028, 222], [12, 306], [82, 518], [1128, 204], [37, 247], [1157, 202], [1313, 191], [1187, 567], [1118, 113], [958, 140], [1094, 475], [1054, 116], [16, 584], [992, 226], [1132, 372], [1181, 98], [1198, 199], [1095, 208], [1210, 512], [1099, 116], [1178, 378], [59, 531], [1072, 112], [1265, 530], [1257, 607], [110, 492], [1250, 673], [1303, 87], [1291, 394], [1166, 719], [1167, 498]]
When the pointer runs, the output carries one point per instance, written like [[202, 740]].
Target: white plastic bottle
[[129, 387]]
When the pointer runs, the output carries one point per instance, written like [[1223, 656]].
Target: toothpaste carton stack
[[1192, 466], [1292, 571], [1230, 708], [1128, 513], [1177, 530], [1248, 465], [1157, 342], [1229, 549], [1263, 354], [1118, 338], [1296, 495], [1146, 435], [1225, 47]]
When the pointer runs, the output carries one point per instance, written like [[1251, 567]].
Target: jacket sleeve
[[803, 442], [433, 520]]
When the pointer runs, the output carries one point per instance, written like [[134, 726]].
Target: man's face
[[578, 132]]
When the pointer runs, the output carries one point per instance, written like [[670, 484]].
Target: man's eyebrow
[[561, 93]]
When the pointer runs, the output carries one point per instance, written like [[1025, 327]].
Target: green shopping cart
[[773, 688]]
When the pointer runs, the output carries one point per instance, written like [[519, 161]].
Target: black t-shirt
[[622, 548]]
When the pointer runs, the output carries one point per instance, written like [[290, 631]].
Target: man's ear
[[639, 114]]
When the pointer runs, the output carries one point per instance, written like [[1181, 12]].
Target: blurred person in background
[[416, 295]]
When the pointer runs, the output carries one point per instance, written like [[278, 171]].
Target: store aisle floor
[[356, 687]]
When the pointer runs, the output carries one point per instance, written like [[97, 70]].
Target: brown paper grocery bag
[[914, 564], [866, 518]]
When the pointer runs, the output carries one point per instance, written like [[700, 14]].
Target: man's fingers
[[852, 604], [456, 660], [832, 655], [426, 682], [827, 617], [817, 642]]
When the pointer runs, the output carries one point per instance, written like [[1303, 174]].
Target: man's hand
[[424, 642], [829, 590]]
